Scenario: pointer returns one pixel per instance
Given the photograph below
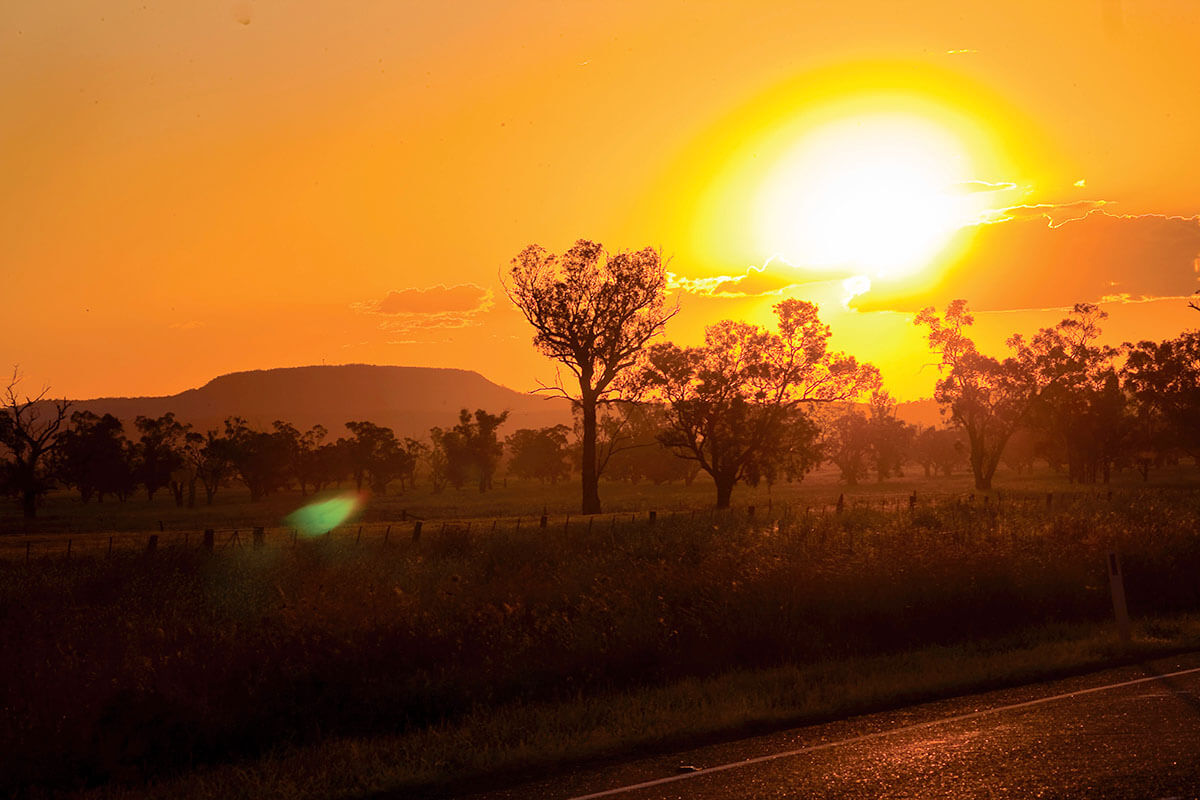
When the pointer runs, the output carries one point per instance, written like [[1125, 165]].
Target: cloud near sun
[[1022, 257], [1054, 256], [772, 278], [419, 312]]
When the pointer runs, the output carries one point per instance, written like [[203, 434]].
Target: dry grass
[[133, 667]]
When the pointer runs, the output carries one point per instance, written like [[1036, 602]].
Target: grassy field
[[133, 667], [63, 513]]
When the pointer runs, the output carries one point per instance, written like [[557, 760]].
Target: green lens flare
[[323, 516]]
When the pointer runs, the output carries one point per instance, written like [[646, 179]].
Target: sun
[[880, 194]]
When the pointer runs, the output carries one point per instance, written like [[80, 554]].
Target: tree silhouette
[[94, 457], [377, 456], [159, 451], [480, 447], [540, 453], [986, 397], [1080, 405], [594, 313], [939, 450], [847, 443], [735, 405], [30, 432], [1164, 380], [260, 458], [214, 463]]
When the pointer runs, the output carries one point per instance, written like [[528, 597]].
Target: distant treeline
[[750, 406]]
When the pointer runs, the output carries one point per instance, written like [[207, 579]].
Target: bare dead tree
[[29, 430]]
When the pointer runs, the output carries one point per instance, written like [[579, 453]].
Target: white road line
[[878, 734]]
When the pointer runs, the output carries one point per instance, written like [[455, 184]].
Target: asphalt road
[[1132, 732]]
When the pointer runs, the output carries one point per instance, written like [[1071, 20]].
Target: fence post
[[1116, 581], [567, 524], [160, 526], [416, 537], [151, 545], [387, 531], [653, 517], [259, 538], [358, 536], [109, 554], [841, 503], [210, 539], [750, 512], [542, 524], [1049, 500]]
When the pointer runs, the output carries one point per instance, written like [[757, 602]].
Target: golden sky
[[197, 188]]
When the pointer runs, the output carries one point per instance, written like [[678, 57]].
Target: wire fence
[[982, 512]]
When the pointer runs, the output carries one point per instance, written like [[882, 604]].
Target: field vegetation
[[136, 666]]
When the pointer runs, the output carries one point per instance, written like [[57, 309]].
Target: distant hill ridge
[[408, 399]]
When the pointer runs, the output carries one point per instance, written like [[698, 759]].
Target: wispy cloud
[[984, 186], [772, 278], [1054, 214], [413, 315]]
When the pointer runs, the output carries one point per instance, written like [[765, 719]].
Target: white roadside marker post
[[1116, 581]]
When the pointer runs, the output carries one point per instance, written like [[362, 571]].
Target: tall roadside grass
[[136, 666]]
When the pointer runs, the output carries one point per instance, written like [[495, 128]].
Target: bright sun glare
[[880, 193]]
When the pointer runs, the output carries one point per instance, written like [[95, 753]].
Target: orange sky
[[200, 188]]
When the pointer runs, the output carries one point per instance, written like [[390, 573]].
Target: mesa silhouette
[[410, 400]]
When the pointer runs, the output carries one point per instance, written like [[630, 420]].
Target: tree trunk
[[29, 503], [724, 491], [591, 476]]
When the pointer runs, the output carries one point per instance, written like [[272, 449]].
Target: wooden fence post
[[210, 539], [151, 545], [653, 517], [416, 537], [259, 536]]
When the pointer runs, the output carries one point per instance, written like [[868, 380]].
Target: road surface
[[1132, 732]]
